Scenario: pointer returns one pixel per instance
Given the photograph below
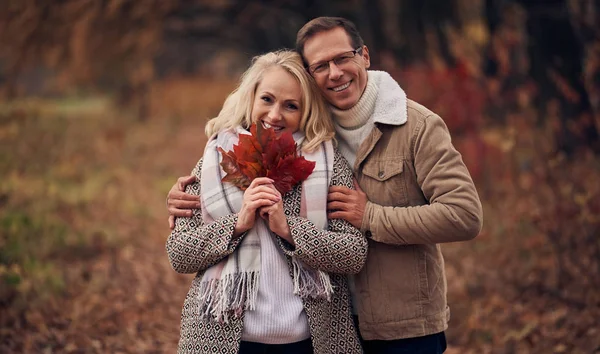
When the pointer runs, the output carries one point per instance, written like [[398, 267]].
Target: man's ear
[[366, 57]]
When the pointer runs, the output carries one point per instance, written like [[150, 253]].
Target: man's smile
[[341, 87]]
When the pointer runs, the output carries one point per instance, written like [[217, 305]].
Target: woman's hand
[[259, 194], [275, 217]]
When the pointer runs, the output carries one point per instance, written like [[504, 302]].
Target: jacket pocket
[[385, 184]]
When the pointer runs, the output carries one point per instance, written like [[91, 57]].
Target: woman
[[269, 267]]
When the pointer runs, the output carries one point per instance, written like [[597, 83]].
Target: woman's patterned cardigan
[[193, 247]]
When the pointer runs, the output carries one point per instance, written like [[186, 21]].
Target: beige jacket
[[420, 195]]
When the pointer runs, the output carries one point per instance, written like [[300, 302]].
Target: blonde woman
[[270, 268]]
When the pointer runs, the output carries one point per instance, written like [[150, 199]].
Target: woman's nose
[[275, 112]]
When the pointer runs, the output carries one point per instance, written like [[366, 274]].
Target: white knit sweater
[[279, 317], [353, 125]]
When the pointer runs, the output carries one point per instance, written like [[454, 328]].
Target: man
[[413, 191]]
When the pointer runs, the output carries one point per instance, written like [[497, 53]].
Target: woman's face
[[278, 101]]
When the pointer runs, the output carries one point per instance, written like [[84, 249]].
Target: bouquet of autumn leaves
[[264, 154]]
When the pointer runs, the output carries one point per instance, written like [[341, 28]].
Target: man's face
[[342, 85]]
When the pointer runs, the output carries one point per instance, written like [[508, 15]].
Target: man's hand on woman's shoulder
[[179, 203]]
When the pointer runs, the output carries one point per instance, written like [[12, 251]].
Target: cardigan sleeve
[[341, 248], [194, 246]]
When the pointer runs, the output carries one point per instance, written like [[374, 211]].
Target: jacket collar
[[390, 108], [391, 104]]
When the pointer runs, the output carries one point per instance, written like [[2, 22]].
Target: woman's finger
[[263, 188], [264, 212], [269, 196], [257, 204], [260, 181]]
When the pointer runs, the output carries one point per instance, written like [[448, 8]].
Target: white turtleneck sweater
[[353, 125]]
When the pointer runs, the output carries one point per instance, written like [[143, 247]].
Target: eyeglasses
[[322, 68]]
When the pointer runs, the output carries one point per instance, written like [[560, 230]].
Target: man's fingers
[[182, 182], [184, 204], [339, 189], [338, 215], [337, 196], [356, 185], [178, 195], [338, 206], [186, 196], [180, 213]]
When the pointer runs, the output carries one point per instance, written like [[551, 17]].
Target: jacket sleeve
[[341, 248], [194, 246], [454, 211]]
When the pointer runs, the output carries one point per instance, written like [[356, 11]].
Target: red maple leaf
[[231, 167], [264, 154]]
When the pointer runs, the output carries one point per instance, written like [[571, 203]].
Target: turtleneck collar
[[359, 114], [383, 101]]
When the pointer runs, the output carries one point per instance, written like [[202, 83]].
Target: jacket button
[[368, 233], [381, 174]]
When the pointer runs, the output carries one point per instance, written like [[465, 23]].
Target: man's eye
[[342, 59], [320, 68]]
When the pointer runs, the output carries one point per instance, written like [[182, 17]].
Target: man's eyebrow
[[335, 56]]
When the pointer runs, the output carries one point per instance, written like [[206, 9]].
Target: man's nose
[[334, 71]]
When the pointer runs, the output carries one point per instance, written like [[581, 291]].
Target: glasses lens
[[344, 58], [341, 59], [318, 68]]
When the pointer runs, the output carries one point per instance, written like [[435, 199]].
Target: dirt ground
[[103, 175]]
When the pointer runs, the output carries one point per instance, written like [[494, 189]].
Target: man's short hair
[[322, 24]]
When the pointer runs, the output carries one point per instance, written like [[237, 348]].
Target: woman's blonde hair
[[316, 122]]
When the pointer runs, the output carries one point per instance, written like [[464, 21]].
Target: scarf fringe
[[310, 283], [222, 299]]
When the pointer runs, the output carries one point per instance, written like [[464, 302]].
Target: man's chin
[[343, 100], [343, 104]]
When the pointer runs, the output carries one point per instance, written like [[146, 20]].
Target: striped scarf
[[231, 286]]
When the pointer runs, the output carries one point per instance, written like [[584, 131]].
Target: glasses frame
[[337, 57]]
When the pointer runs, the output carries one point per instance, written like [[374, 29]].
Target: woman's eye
[[266, 98], [292, 106]]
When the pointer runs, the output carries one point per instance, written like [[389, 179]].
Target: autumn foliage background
[[102, 106]]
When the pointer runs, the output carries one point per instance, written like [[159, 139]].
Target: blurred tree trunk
[[556, 35], [409, 28], [585, 16], [557, 54]]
